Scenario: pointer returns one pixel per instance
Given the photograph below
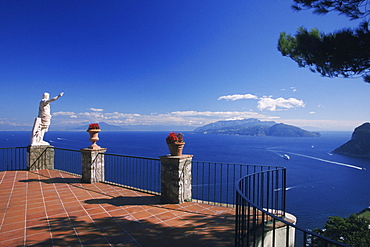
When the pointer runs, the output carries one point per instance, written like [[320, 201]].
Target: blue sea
[[320, 183]]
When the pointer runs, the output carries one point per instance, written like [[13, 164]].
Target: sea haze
[[320, 183]]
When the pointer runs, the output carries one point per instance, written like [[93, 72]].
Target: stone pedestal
[[176, 178], [92, 165], [40, 157]]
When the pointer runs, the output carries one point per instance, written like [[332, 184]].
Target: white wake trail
[[328, 161]]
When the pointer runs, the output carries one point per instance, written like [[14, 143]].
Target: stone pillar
[[176, 178], [92, 165], [40, 157]]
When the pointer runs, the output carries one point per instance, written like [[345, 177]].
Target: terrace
[[53, 208], [48, 199]]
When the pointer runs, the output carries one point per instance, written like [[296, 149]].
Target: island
[[103, 126], [254, 127], [359, 145]]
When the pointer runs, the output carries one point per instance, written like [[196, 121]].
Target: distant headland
[[254, 127], [359, 145]]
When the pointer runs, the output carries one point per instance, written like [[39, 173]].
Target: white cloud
[[312, 112], [270, 104], [294, 89], [267, 102], [95, 115], [186, 118], [192, 118], [211, 114], [63, 113], [234, 118], [116, 115], [95, 109], [5, 121], [238, 96]]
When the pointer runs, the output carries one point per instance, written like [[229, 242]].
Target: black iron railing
[[13, 158], [214, 183], [133, 172], [68, 160], [261, 219]]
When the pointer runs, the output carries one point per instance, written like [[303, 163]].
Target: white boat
[[285, 156]]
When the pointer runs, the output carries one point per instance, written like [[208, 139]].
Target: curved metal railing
[[261, 218], [214, 182]]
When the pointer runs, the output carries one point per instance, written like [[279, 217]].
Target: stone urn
[[175, 142], [94, 130], [176, 148]]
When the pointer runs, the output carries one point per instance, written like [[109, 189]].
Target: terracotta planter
[[176, 148], [94, 137]]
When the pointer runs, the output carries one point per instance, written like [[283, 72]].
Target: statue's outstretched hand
[[61, 94]]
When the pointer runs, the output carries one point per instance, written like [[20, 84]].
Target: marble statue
[[42, 122]]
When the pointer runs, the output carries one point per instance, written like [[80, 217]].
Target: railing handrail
[[130, 156], [255, 205], [111, 154], [238, 164], [65, 149], [13, 147]]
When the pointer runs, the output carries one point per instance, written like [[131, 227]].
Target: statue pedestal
[[176, 178], [40, 157], [92, 165]]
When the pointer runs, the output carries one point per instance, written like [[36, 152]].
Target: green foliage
[[342, 53], [353, 231], [366, 215], [353, 9]]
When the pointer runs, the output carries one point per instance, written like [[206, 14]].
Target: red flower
[[94, 126], [175, 138]]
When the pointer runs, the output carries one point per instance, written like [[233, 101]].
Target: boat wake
[[329, 161], [61, 139], [284, 156], [286, 189]]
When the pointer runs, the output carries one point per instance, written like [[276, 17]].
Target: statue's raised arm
[[54, 98], [42, 122]]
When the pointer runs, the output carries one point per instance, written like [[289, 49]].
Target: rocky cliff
[[359, 145]]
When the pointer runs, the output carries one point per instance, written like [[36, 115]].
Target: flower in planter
[[175, 138], [94, 126]]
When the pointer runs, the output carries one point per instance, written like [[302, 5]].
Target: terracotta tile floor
[[52, 208]]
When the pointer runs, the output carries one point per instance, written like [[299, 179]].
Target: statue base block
[[40, 157], [92, 165], [176, 179]]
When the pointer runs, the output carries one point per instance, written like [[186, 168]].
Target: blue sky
[[173, 63]]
